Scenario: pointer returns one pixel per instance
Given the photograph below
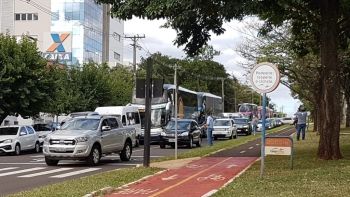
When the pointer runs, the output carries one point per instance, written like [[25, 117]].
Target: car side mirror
[[106, 128], [22, 133]]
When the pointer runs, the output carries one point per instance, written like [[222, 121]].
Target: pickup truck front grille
[[62, 142]]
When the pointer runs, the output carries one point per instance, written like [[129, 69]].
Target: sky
[[159, 39]]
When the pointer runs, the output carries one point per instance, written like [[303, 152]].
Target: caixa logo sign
[[58, 47]]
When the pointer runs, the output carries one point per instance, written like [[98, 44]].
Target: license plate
[[61, 149], [171, 140]]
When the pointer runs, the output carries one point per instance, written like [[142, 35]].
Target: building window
[[29, 17], [26, 16], [117, 56], [23, 17], [17, 17]]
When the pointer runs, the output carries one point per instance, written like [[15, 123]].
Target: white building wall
[[116, 42], [6, 16], [34, 28]]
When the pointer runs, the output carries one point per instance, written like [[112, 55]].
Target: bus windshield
[[156, 117], [245, 108]]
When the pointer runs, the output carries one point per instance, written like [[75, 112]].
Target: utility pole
[[175, 83], [134, 38], [223, 94]]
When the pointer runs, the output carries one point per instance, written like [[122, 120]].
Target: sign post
[[264, 78]]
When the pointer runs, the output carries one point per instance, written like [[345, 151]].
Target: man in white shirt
[[210, 127]]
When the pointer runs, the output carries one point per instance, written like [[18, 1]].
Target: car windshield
[[222, 123], [42, 127], [81, 124], [181, 125], [241, 121], [9, 131]]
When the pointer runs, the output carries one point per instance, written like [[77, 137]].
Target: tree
[[195, 20], [25, 81]]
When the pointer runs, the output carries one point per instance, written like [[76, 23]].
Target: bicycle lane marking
[[210, 179], [163, 180], [173, 182]]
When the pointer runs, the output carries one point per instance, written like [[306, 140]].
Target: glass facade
[[84, 19]]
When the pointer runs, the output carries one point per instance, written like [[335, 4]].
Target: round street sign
[[265, 77]]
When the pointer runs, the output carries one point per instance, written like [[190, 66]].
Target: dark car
[[188, 133], [243, 126]]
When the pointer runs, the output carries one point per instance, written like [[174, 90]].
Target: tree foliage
[[25, 81]]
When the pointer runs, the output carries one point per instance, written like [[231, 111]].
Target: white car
[[287, 120], [224, 128], [14, 139]]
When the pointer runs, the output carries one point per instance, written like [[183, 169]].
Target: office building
[[68, 31]]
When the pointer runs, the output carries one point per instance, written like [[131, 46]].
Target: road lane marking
[[20, 171], [243, 151], [11, 168], [75, 173], [188, 178], [45, 172], [21, 163], [38, 156], [250, 148], [170, 177], [257, 144]]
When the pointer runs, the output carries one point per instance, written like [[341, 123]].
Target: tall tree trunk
[[315, 118], [330, 96], [347, 118]]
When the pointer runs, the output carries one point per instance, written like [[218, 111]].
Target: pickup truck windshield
[[81, 124]]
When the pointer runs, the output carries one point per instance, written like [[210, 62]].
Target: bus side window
[[124, 120]]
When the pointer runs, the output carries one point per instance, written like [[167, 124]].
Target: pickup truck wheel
[[94, 157], [235, 136], [51, 162], [231, 136], [125, 155]]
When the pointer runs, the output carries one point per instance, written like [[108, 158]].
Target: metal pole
[[175, 83], [146, 153], [223, 95], [134, 60], [263, 137]]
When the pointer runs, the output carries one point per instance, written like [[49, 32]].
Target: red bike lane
[[198, 178]]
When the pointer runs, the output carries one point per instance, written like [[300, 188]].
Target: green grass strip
[[310, 176]]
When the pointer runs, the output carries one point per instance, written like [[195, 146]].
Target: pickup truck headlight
[[184, 134], [163, 133], [7, 141], [245, 126], [82, 139]]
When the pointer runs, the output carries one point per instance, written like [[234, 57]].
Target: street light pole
[[175, 83], [223, 95]]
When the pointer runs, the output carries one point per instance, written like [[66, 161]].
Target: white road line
[[46, 172], [250, 148], [3, 169], [75, 173], [38, 156], [20, 171], [243, 151], [257, 144], [22, 163]]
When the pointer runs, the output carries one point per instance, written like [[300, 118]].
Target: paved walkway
[[199, 177]]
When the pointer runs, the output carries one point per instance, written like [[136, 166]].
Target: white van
[[128, 115]]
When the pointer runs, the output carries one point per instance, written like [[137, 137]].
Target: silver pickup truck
[[88, 138]]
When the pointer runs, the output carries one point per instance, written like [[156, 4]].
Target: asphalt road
[[29, 170]]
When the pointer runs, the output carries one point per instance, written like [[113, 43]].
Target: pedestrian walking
[[255, 122], [301, 117], [210, 127]]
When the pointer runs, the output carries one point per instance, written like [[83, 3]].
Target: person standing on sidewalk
[[210, 127], [255, 124], [301, 116]]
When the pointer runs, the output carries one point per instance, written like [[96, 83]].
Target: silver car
[[88, 138]]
